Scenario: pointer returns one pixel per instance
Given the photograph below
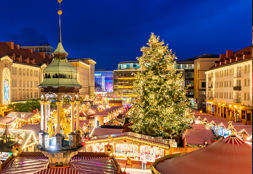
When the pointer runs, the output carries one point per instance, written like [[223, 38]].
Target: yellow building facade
[[85, 75], [18, 81], [201, 64], [229, 86]]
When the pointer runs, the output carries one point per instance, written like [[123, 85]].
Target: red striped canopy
[[58, 171], [228, 156]]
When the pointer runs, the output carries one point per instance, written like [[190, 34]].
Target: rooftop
[[230, 155], [82, 163], [231, 57], [22, 55]]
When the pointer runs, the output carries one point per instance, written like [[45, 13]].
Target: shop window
[[243, 115], [248, 116]]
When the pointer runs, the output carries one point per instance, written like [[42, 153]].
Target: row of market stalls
[[19, 119], [223, 128], [99, 114], [129, 145]]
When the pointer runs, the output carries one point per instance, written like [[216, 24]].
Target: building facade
[[41, 48], [124, 77], [229, 86], [188, 67], [104, 81], [201, 64], [20, 73], [85, 75]]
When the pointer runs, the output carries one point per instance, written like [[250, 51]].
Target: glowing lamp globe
[[59, 12]]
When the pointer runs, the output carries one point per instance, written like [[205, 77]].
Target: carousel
[[230, 155]]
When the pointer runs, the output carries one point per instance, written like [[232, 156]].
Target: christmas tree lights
[[161, 107]]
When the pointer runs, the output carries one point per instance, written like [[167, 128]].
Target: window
[[203, 84], [248, 116]]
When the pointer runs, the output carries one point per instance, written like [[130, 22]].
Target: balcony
[[237, 100], [237, 88]]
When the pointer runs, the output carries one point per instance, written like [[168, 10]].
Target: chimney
[[222, 56], [10, 44], [232, 59], [17, 47], [238, 57], [216, 63], [229, 53], [32, 61], [246, 55], [20, 58], [26, 60], [43, 54]]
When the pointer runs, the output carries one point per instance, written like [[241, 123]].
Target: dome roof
[[60, 73], [230, 155], [61, 65], [60, 49]]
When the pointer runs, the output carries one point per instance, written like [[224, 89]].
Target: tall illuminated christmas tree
[[161, 107]]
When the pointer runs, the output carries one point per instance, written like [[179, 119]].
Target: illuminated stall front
[[130, 145]]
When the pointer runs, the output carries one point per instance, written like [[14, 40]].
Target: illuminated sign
[[6, 86], [97, 74], [6, 91]]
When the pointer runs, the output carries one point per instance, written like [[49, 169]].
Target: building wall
[[42, 48], [200, 66], [124, 77], [23, 80], [229, 92], [188, 67], [85, 75], [123, 81]]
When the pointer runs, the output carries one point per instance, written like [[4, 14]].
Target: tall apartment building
[[201, 64], [187, 66], [85, 75], [41, 48], [20, 72], [124, 77], [229, 86]]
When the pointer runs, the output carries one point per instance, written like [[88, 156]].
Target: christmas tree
[[160, 107]]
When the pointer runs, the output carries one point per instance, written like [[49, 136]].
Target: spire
[[59, 13], [60, 49]]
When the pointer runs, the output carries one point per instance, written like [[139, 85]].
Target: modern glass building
[[124, 77], [104, 81]]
